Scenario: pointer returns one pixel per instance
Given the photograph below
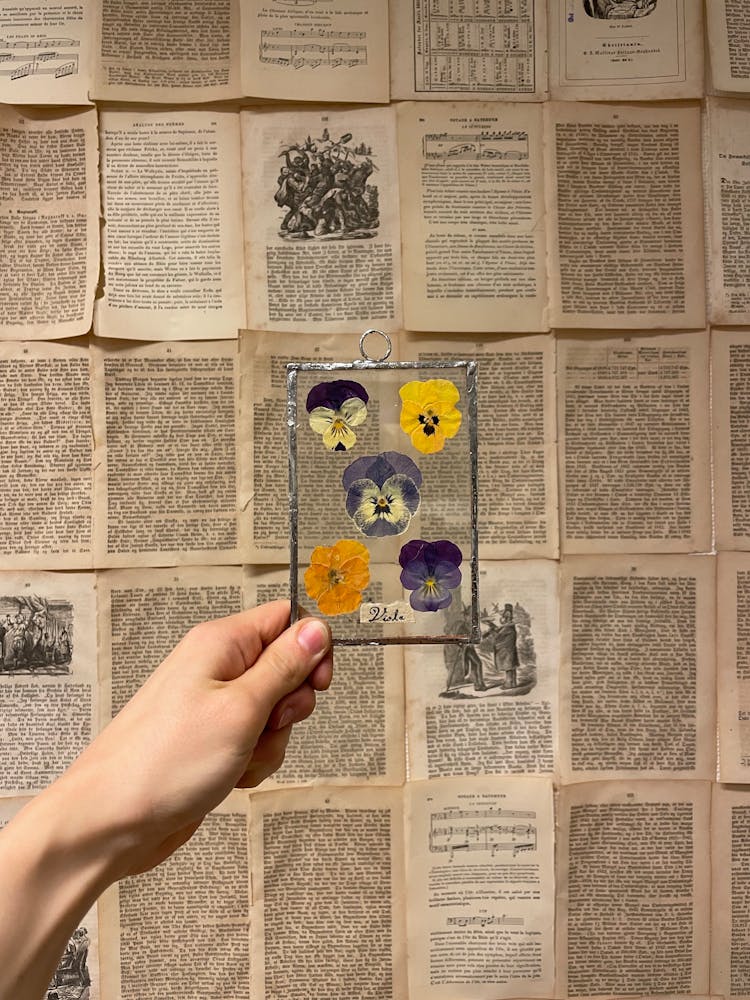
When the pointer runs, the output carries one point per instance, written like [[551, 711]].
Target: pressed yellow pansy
[[428, 413], [337, 575]]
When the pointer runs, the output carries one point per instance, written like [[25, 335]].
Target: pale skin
[[215, 715]]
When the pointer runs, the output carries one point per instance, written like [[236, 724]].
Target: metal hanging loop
[[388, 346]]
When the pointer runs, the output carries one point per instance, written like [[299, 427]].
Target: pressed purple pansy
[[430, 570], [334, 408], [382, 493]]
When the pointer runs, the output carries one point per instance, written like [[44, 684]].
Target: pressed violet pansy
[[337, 575], [334, 408], [382, 493], [430, 570], [428, 413]]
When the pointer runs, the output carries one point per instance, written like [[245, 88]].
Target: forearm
[[56, 857]]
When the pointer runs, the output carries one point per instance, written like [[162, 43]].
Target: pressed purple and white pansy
[[382, 493], [430, 570], [334, 409]]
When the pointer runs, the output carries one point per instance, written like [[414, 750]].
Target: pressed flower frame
[[385, 492]]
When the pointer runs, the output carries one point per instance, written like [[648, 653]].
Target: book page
[[625, 209], [322, 240], [143, 614], [482, 49], [728, 152], [480, 860], [47, 496], [634, 888], [319, 51], [49, 222], [356, 733], [733, 665], [183, 928], [48, 683], [491, 708], [45, 52], [730, 869], [329, 894], [730, 397], [728, 26], [634, 443], [185, 53], [626, 50], [517, 453], [637, 683], [472, 215], [167, 447], [172, 244], [264, 491]]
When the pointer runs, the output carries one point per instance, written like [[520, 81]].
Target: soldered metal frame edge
[[297, 611]]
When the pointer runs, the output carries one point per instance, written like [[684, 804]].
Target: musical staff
[[48, 61], [488, 921], [482, 830], [311, 49], [509, 145]]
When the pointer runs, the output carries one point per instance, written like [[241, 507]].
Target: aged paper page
[[165, 427], [47, 495], [516, 433], [730, 870], [728, 26], [183, 928], [634, 444], [187, 52], [319, 52], [733, 665], [172, 243], [730, 397], [480, 859], [728, 152], [626, 50], [637, 684], [45, 52], [356, 733], [49, 222], [502, 692], [48, 683], [634, 888], [481, 49], [322, 239], [472, 215], [625, 209], [329, 894], [143, 614], [264, 492]]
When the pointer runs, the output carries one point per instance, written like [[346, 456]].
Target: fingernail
[[285, 719], [313, 637]]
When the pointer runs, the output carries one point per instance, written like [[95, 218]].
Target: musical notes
[[311, 49], [488, 921], [508, 145], [48, 62], [479, 830]]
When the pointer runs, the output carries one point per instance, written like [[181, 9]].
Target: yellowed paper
[[728, 25], [730, 837], [730, 364], [733, 665]]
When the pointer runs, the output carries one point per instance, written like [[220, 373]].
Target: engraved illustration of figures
[[324, 186], [36, 636], [503, 664], [72, 980], [618, 9]]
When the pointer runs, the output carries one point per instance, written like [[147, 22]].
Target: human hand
[[217, 713]]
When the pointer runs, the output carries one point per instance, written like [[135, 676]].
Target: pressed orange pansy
[[428, 413], [337, 575]]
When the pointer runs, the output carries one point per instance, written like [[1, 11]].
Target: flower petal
[[430, 599], [338, 436], [316, 581], [332, 394], [340, 600], [414, 574], [428, 444], [411, 550], [445, 550], [403, 489], [354, 411], [348, 548], [320, 419]]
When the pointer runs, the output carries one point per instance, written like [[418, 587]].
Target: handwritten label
[[386, 614]]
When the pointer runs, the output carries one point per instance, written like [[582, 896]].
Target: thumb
[[287, 662]]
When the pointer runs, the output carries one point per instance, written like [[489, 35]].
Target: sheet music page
[[480, 862], [322, 241], [172, 240], [472, 217], [46, 52], [626, 50], [49, 223], [315, 50], [476, 50]]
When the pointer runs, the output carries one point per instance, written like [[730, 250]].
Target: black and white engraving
[[72, 980], [36, 635], [619, 10], [324, 189]]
